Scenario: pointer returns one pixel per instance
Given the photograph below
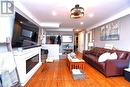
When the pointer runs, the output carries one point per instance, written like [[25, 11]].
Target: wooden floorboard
[[57, 74]]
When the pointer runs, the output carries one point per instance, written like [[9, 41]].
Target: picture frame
[[110, 31]]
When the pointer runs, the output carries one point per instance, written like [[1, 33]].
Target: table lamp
[[90, 45]]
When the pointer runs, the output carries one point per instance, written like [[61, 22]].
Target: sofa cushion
[[91, 56], [104, 57], [101, 51], [94, 51], [121, 54], [94, 59], [91, 59]]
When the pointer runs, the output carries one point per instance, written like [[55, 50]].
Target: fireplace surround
[[28, 62]]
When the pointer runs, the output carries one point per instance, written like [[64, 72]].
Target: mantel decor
[[110, 31]]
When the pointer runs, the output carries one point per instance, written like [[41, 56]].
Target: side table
[[127, 74]]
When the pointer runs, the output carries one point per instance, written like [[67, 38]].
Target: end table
[[127, 74]]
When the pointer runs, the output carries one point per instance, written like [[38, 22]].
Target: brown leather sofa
[[109, 67]]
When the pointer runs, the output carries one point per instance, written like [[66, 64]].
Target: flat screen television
[[25, 33]]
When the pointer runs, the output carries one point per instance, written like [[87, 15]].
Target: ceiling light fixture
[[54, 13], [21, 22], [91, 15], [77, 30], [77, 12], [81, 23]]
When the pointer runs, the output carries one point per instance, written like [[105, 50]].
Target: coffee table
[[75, 63]]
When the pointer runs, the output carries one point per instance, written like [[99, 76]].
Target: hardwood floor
[[57, 74]]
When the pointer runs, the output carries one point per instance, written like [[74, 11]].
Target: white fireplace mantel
[[20, 57]]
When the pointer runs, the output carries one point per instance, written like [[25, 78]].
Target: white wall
[[6, 30], [3, 48], [53, 51], [124, 31], [81, 41]]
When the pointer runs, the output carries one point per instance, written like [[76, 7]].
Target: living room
[[48, 42]]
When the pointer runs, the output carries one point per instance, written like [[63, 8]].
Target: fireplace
[[30, 63]]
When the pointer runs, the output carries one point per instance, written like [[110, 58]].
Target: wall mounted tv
[[25, 33]]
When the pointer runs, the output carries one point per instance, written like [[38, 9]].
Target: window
[[67, 39]]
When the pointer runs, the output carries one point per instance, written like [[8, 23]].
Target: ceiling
[[101, 9]]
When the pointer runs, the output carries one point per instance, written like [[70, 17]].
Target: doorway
[[76, 43]]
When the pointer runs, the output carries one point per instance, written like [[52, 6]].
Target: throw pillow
[[104, 57], [113, 56]]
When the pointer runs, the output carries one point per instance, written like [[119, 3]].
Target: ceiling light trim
[[81, 23], [61, 29], [50, 25], [91, 15], [54, 13]]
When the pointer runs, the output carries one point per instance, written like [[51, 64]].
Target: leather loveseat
[[109, 67]]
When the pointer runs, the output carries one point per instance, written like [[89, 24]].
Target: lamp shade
[[90, 44]]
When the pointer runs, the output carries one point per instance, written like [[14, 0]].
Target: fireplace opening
[[30, 63]]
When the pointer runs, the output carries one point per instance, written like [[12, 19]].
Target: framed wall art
[[110, 31]]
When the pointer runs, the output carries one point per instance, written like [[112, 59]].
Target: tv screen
[[25, 33]]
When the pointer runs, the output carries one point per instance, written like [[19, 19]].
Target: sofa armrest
[[86, 51], [115, 67]]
